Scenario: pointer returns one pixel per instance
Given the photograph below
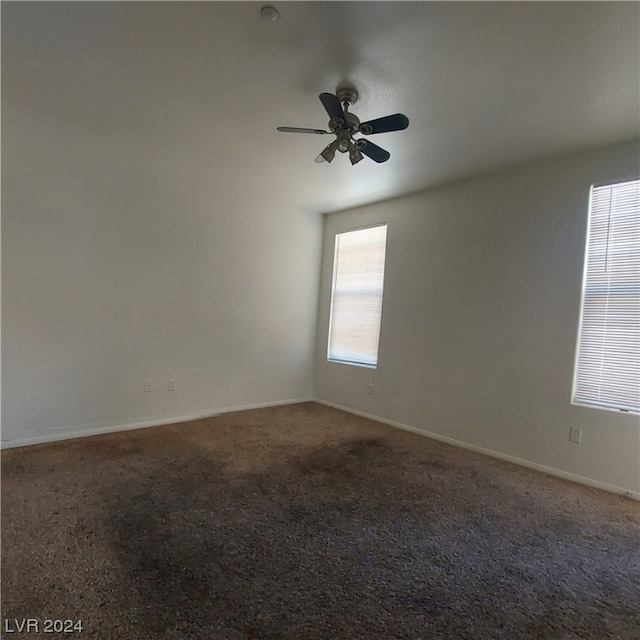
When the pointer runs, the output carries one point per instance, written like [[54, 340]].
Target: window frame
[[574, 386], [353, 363]]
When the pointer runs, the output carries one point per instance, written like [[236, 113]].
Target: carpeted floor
[[302, 522]]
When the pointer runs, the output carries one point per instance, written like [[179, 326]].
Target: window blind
[[608, 354], [356, 297]]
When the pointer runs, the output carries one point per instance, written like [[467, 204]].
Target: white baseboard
[[82, 431], [489, 452], [67, 433]]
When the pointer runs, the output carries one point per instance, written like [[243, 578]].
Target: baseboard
[[83, 431], [489, 452], [67, 433]]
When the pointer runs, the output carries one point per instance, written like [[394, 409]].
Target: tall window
[[356, 296], [608, 357]]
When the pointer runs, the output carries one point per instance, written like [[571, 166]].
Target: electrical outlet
[[172, 385], [370, 389], [148, 386], [575, 435]]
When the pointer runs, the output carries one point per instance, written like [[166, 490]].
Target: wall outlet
[[370, 389], [172, 385], [575, 435], [148, 386]]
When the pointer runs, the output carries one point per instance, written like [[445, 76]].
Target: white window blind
[[608, 357], [356, 297]]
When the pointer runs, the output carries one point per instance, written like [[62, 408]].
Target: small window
[[608, 356], [356, 296]]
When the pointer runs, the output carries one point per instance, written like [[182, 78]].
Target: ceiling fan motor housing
[[350, 123]]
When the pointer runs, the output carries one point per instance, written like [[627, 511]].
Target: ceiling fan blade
[[373, 151], [396, 122], [332, 105], [319, 159], [301, 130]]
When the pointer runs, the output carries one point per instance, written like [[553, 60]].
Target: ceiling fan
[[344, 125]]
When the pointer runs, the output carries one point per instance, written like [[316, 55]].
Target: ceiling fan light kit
[[344, 125]]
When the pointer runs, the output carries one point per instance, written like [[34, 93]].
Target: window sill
[[629, 412], [353, 364]]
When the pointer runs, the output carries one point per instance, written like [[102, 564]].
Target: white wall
[[480, 314], [121, 266]]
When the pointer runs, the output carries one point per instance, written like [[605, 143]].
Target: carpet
[[302, 522]]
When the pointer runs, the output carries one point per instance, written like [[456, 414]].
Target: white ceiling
[[484, 84]]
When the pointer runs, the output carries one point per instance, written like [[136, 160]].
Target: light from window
[[608, 356], [356, 297]]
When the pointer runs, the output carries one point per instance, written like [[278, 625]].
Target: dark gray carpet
[[302, 522]]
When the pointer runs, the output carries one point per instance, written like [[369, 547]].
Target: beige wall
[[121, 266], [480, 315]]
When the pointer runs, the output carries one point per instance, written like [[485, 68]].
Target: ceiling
[[485, 85]]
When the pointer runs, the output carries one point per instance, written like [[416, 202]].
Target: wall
[[121, 266], [480, 315]]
